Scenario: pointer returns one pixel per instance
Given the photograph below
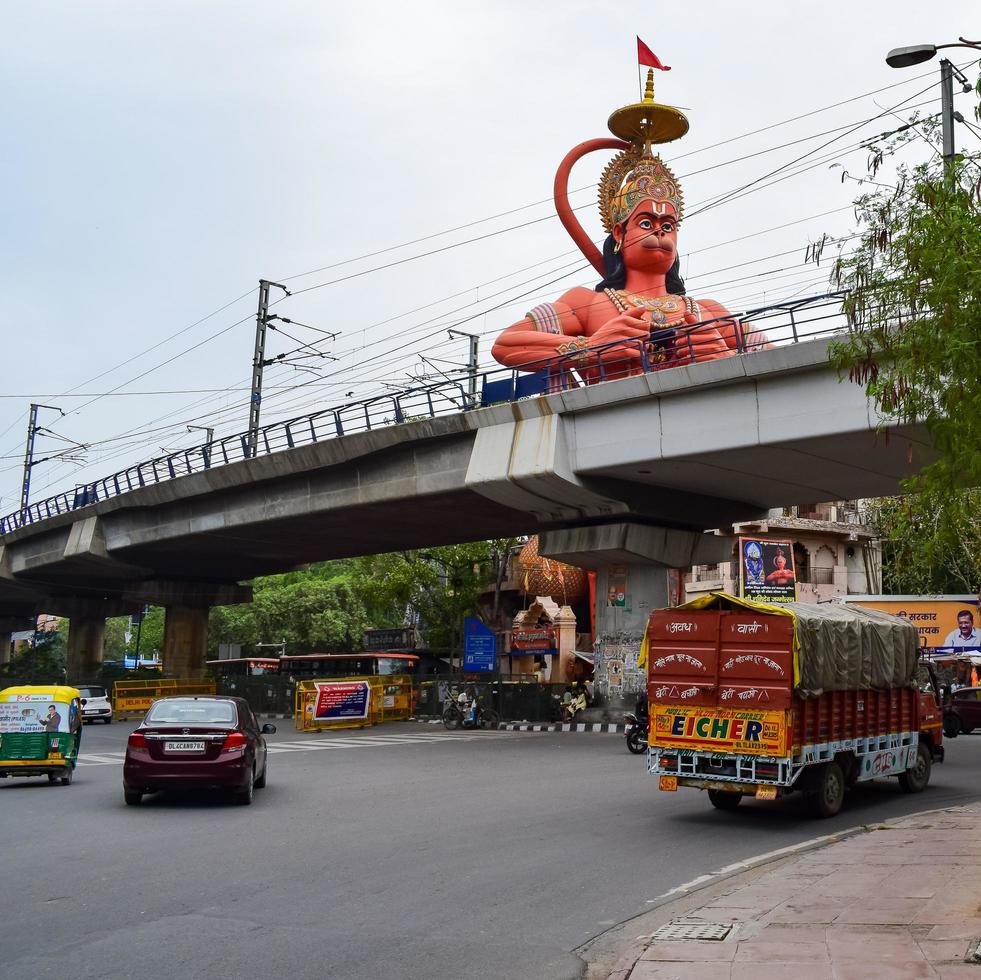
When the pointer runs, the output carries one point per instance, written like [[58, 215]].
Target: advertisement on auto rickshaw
[[35, 713]]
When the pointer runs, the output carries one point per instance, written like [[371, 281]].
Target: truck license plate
[[766, 792], [183, 746], [669, 784]]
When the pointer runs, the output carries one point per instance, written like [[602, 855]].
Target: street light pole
[[916, 54]]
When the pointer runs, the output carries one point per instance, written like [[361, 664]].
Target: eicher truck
[[748, 699]]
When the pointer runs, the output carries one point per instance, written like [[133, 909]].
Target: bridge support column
[[86, 637], [5, 641], [632, 562], [185, 647]]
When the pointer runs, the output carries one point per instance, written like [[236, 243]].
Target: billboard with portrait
[[766, 570], [945, 623]]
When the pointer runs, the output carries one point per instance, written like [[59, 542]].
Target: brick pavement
[[900, 901]]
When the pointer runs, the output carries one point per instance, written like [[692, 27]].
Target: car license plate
[[183, 746], [766, 792], [668, 783]]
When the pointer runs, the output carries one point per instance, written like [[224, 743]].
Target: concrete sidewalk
[[898, 900]]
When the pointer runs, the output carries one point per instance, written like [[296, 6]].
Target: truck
[[753, 699]]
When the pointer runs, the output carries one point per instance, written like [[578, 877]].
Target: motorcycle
[[465, 712], [636, 734]]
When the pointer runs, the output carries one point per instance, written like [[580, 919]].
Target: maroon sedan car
[[962, 713], [188, 742]]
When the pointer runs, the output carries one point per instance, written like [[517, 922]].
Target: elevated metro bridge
[[632, 469]]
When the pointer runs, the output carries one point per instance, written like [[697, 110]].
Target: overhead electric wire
[[713, 203]]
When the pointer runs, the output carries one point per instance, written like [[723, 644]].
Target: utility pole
[[258, 363], [32, 430], [947, 111], [473, 362], [210, 432]]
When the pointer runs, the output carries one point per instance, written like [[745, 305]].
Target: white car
[[95, 704]]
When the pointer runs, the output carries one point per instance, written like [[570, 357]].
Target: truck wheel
[[915, 780], [827, 798], [952, 726], [722, 799]]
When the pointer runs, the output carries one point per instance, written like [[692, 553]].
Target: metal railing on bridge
[[784, 323]]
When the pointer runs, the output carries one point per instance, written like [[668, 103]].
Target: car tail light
[[136, 741], [234, 742]]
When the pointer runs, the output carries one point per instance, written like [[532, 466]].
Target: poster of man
[[766, 570], [966, 636], [945, 623]]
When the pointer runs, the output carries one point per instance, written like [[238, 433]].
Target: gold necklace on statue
[[665, 311]]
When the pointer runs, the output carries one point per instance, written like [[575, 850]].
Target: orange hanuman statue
[[642, 295]]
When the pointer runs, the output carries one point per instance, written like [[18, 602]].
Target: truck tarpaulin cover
[[838, 647]]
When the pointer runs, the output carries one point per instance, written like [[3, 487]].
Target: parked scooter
[[464, 711], [637, 726]]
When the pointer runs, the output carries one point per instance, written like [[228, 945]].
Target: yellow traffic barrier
[[352, 702], [135, 697]]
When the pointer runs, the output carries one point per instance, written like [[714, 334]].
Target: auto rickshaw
[[40, 730]]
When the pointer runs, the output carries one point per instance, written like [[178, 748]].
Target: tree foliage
[[914, 312], [929, 545], [43, 661], [313, 611], [434, 588]]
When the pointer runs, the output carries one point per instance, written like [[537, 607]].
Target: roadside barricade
[[133, 698], [352, 702]]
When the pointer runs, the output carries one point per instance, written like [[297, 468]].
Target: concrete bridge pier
[[631, 562], [186, 605], [185, 648], [5, 642], [86, 638]]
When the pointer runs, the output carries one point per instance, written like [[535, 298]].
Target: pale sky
[[158, 158]]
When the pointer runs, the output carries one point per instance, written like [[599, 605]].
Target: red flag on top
[[647, 57]]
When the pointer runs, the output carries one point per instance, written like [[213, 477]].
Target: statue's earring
[[616, 248]]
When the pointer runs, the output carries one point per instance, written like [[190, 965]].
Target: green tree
[[436, 586], [311, 612], [914, 313], [115, 645], [951, 563], [44, 661]]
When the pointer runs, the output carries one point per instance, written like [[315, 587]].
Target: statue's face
[[649, 241]]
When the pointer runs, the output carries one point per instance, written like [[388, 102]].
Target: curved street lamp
[[916, 54]]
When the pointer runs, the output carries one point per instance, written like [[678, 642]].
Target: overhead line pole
[[258, 363], [473, 361], [32, 428]]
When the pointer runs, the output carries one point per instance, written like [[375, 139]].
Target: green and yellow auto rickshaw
[[40, 729]]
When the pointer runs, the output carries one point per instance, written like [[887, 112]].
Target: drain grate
[[675, 931]]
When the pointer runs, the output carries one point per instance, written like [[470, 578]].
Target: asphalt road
[[400, 851]]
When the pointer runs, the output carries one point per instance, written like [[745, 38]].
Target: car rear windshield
[[92, 692], [192, 713]]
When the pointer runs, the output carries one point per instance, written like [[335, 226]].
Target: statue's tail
[[561, 196]]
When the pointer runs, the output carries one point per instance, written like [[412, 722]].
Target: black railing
[[782, 324]]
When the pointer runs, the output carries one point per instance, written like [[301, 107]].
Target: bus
[[244, 667], [315, 666]]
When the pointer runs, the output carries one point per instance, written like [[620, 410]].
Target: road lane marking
[[334, 743]]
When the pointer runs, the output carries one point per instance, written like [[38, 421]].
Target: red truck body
[[726, 714]]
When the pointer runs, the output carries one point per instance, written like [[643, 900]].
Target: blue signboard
[[479, 646]]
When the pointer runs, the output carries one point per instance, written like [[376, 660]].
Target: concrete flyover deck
[[681, 449]]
